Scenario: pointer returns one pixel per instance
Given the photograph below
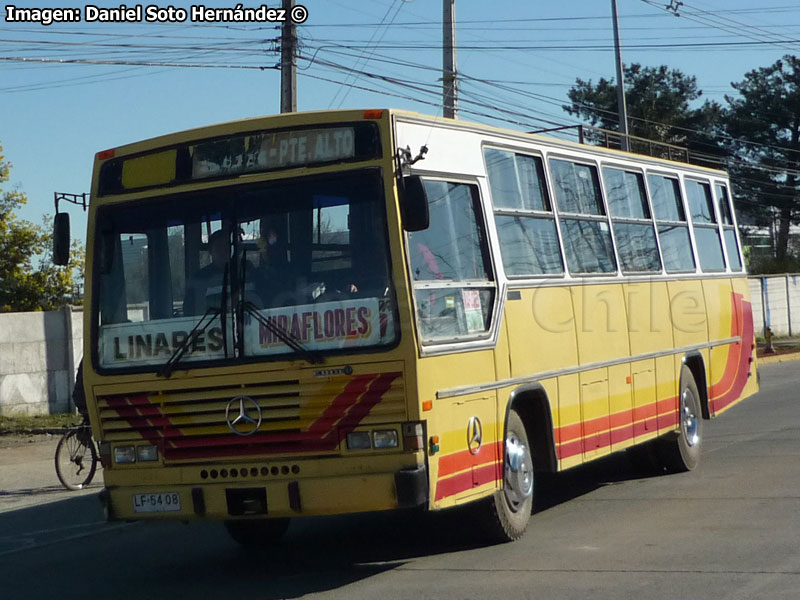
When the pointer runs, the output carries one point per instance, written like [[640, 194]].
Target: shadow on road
[[172, 560], [561, 487]]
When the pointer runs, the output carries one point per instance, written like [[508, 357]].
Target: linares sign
[[323, 326], [272, 150]]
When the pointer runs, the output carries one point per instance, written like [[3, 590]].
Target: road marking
[[68, 538]]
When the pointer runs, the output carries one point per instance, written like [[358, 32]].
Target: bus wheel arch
[[695, 363], [532, 405]]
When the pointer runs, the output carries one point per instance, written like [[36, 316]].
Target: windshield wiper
[[198, 330], [315, 358], [169, 366], [283, 335]]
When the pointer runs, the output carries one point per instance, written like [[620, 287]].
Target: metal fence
[[776, 303]]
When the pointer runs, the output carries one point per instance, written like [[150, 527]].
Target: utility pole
[[623, 110], [288, 61], [449, 82]]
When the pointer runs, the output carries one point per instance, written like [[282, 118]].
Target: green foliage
[[658, 101], [767, 171], [28, 278], [768, 265], [38, 423]]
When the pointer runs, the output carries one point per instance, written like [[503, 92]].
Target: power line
[[84, 61]]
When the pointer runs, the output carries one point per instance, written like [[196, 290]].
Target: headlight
[[125, 454], [386, 438], [358, 440], [146, 453]]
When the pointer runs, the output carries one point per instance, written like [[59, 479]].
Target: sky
[[69, 90]]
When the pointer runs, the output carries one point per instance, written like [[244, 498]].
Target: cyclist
[[79, 400]]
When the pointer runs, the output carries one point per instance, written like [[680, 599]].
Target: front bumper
[[286, 495]]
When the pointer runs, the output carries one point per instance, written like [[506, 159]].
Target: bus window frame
[[462, 343], [560, 215], [168, 193], [634, 220], [733, 226], [676, 176], [502, 211], [715, 226]]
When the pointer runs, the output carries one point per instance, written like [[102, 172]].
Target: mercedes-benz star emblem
[[243, 423], [474, 435]]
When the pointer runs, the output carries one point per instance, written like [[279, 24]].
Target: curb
[[779, 358], [54, 431]]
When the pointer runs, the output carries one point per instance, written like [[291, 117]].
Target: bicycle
[[76, 458]]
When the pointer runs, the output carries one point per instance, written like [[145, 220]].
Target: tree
[[763, 123], [658, 100], [28, 278]]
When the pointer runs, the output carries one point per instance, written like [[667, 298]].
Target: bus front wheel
[[508, 510], [681, 452]]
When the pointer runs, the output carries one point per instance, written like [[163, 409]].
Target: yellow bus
[[344, 311]]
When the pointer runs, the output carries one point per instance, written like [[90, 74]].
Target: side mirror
[[61, 239], [414, 204]]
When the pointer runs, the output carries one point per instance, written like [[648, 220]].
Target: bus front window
[[305, 258]]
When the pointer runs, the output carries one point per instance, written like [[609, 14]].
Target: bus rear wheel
[[681, 452], [508, 510], [257, 533]]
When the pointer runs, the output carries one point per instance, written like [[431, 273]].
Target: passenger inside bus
[[204, 288], [274, 278]]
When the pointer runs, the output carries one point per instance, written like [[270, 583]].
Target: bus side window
[[584, 225], [673, 230], [728, 228], [523, 214], [631, 220], [454, 287], [706, 232]]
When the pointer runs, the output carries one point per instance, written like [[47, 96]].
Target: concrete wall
[[39, 354], [776, 304]]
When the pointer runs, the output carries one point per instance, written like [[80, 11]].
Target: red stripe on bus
[[663, 413], [460, 461], [361, 408], [359, 396], [466, 481], [732, 363], [744, 358], [342, 403]]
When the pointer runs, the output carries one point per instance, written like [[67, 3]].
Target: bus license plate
[[160, 502]]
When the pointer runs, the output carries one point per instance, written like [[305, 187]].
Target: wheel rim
[[689, 420], [518, 472], [74, 462]]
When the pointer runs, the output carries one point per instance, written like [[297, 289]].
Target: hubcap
[[518, 472], [689, 420]]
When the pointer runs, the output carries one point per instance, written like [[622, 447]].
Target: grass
[[33, 424]]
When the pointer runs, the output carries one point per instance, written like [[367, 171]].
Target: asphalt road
[[728, 530]]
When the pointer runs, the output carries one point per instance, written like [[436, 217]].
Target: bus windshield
[[259, 271]]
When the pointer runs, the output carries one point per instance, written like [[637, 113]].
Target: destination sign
[[323, 326], [350, 323], [270, 151], [153, 342], [254, 152]]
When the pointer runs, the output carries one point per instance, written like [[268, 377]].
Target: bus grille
[[296, 416]]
